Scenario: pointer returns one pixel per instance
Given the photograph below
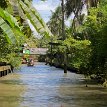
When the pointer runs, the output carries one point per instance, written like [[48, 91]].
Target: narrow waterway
[[45, 86]]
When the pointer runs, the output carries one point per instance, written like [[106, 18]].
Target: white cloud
[[45, 6]]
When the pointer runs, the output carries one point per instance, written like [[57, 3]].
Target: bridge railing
[[4, 70]]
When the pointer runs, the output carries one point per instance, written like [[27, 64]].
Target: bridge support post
[[64, 36], [51, 53]]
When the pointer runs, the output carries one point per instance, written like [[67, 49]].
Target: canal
[[45, 86]]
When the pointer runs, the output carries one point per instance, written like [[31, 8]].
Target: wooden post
[[51, 51], [64, 36], [0, 74]]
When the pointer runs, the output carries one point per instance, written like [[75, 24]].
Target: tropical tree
[[96, 27], [55, 22], [76, 8]]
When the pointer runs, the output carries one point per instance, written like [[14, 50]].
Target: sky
[[45, 7]]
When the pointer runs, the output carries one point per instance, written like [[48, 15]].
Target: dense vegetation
[[85, 43], [15, 30], [86, 38]]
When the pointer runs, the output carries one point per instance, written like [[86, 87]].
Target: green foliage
[[96, 30], [79, 51], [10, 27], [87, 48], [13, 28], [3, 4], [55, 23], [14, 60], [35, 19]]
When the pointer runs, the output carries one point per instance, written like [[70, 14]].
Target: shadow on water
[[45, 86]]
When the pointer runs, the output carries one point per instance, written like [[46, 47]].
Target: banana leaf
[[12, 24], [35, 18], [8, 31]]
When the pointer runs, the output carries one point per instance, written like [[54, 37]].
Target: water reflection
[[11, 90], [45, 86]]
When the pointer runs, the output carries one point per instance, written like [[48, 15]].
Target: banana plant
[[10, 27], [35, 19], [7, 31]]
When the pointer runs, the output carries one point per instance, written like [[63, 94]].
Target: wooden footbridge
[[35, 51], [4, 70]]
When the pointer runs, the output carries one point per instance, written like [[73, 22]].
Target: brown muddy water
[[45, 86]]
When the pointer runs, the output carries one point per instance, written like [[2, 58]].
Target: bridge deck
[[3, 68], [38, 51]]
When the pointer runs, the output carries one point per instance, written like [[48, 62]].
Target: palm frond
[[10, 24], [35, 18], [8, 31]]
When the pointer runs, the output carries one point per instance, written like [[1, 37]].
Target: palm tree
[[76, 7], [91, 3], [55, 23]]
